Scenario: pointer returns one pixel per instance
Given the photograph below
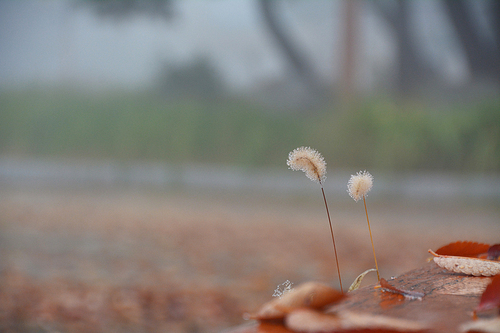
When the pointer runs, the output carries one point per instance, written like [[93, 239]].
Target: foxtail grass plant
[[358, 187], [313, 164]]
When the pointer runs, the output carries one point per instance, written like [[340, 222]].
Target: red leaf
[[494, 252], [407, 293], [463, 249], [267, 327], [490, 299]]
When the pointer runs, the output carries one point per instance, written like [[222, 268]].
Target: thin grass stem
[[333, 239], [371, 238]]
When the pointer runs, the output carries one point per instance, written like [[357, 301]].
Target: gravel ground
[[113, 260]]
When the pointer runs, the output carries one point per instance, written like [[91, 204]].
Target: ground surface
[[115, 260]]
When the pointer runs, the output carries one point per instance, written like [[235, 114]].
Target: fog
[[61, 42]]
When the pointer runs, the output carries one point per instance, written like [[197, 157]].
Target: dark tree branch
[[124, 8], [495, 21], [389, 16], [483, 56], [298, 62], [412, 68]]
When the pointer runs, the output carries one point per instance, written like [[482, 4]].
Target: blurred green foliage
[[378, 134]]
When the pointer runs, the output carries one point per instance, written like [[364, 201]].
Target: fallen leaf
[[306, 320], [389, 300], [266, 327], [312, 295], [490, 299], [406, 293], [311, 321], [356, 321], [482, 325], [466, 265], [463, 286], [357, 282], [494, 252], [463, 249]]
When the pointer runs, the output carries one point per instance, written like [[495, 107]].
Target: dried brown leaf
[[463, 249], [312, 295], [357, 321], [482, 325], [406, 293], [306, 320], [267, 327], [467, 265], [490, 299]]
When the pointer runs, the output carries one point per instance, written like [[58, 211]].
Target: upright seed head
[[359, 185], [310, 161]]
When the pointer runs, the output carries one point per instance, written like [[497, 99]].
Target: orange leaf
[[490, 299], [406, 293], [463, 249]]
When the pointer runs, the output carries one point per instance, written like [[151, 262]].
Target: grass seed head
[[310, 161], [359, 185]]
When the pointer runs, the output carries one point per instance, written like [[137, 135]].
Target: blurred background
[[143, 147]]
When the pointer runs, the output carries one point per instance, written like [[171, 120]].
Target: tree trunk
[[483, 56], [298, 61]]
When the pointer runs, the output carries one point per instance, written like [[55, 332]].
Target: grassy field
[[374, 134], [115, 260]]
